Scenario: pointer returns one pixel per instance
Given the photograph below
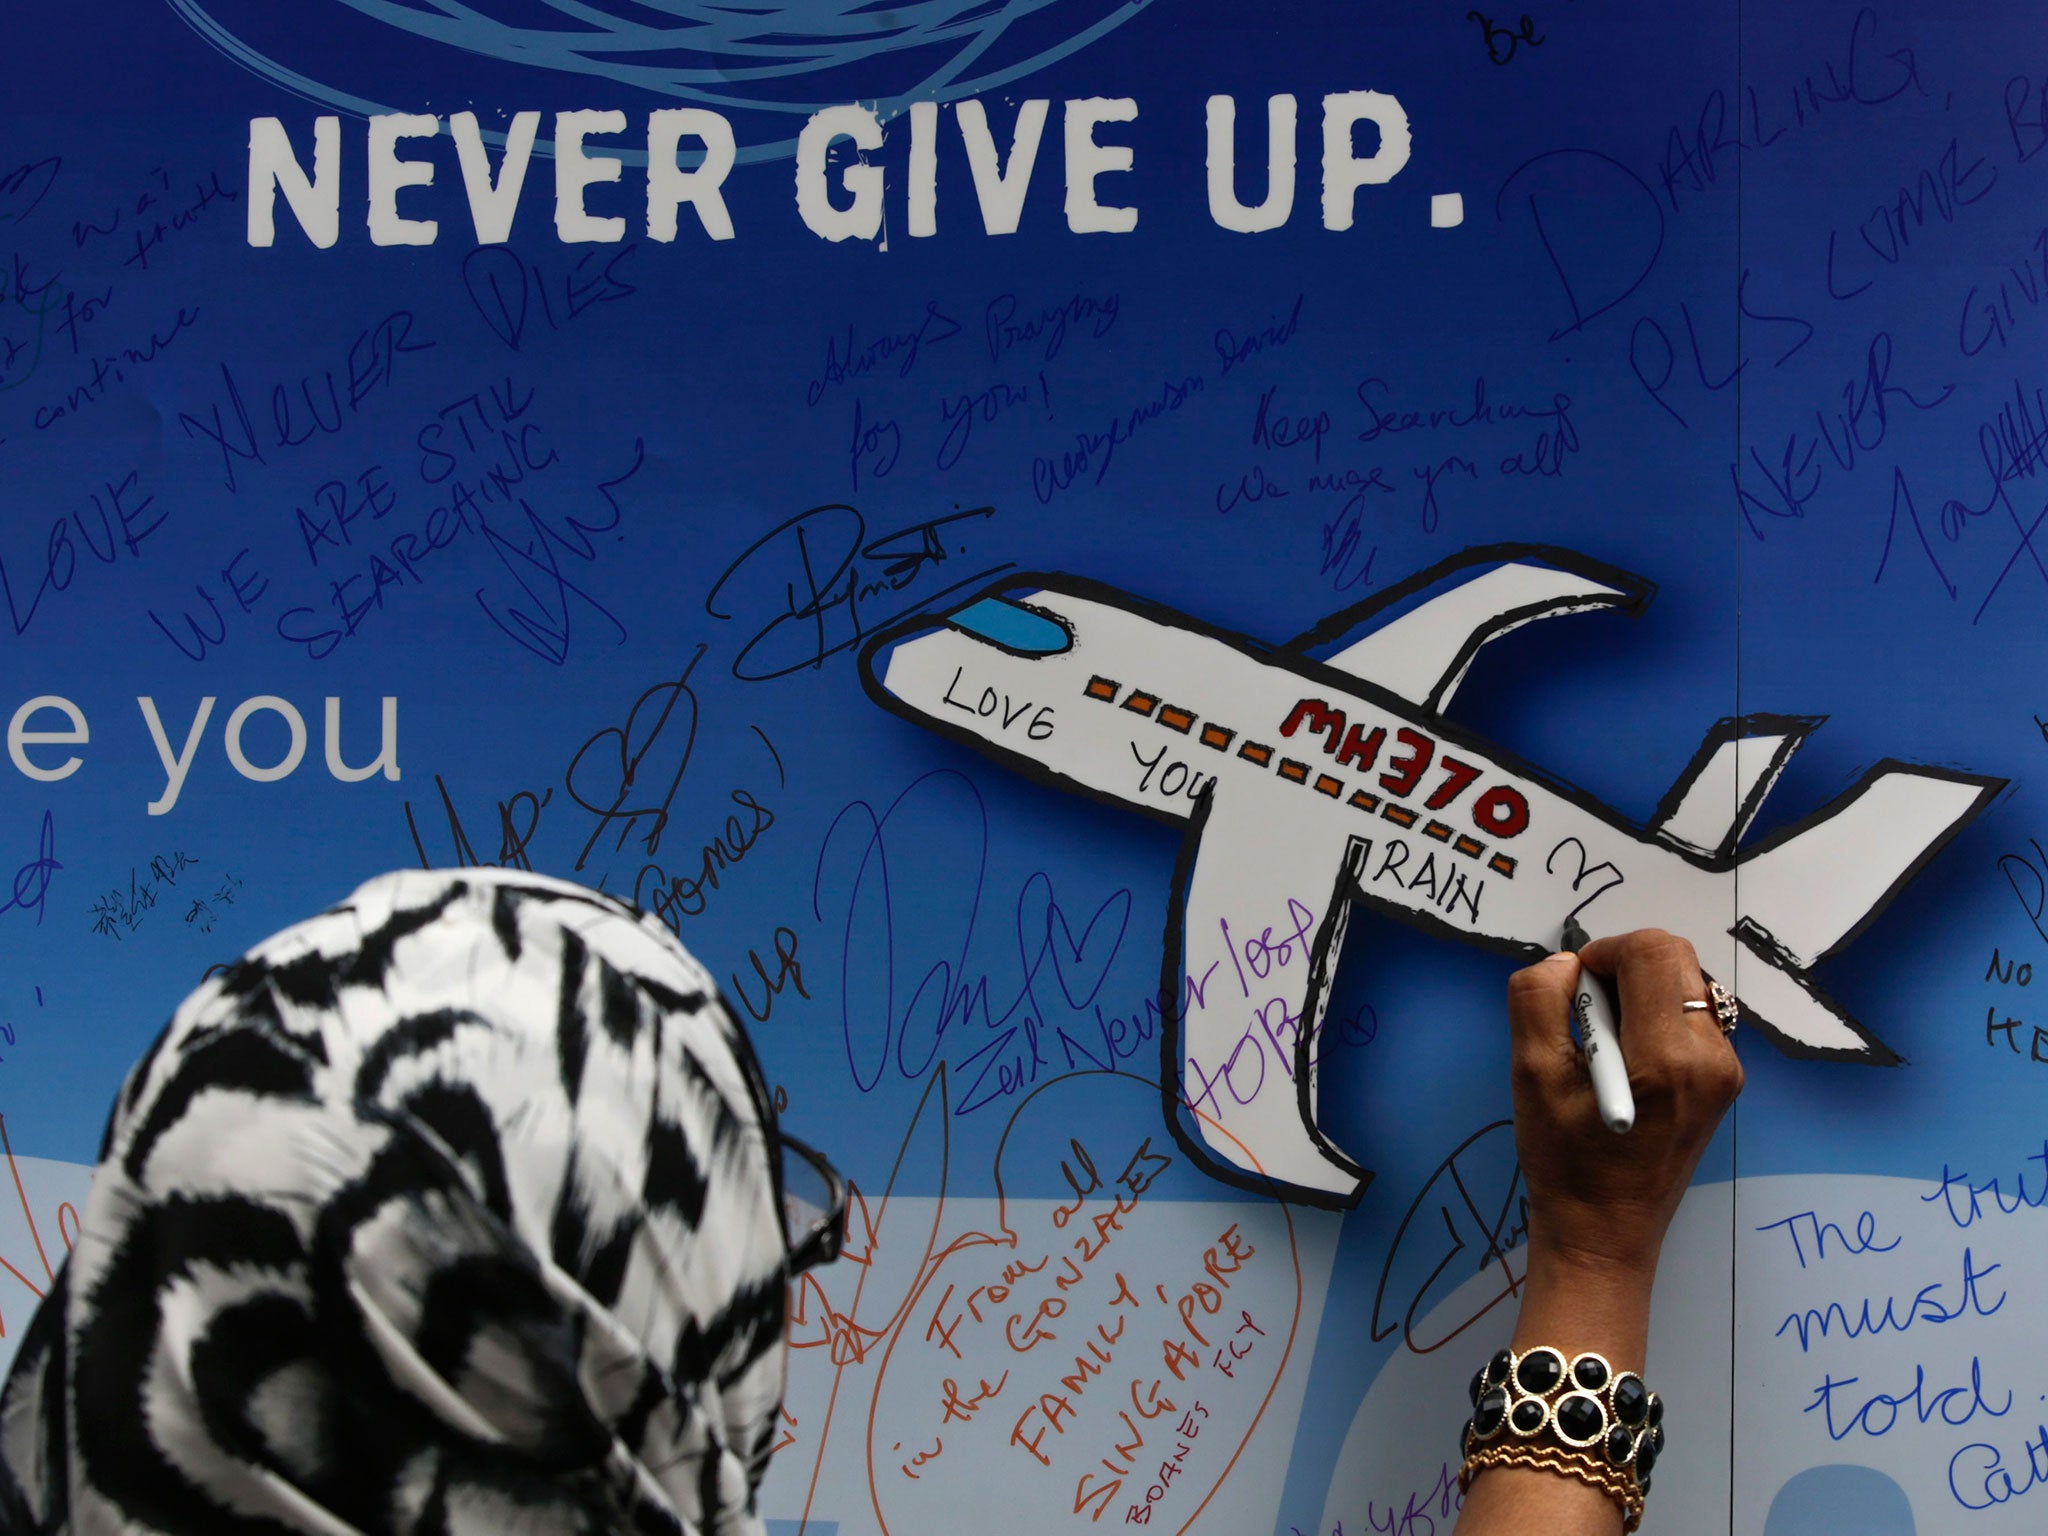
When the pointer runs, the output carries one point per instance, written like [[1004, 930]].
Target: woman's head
[[462, 1196]]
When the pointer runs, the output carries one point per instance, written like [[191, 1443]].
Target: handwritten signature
[[816, 584], [544, 625], [32, 879], [913, 996], [1471, 1206], [26, 185]]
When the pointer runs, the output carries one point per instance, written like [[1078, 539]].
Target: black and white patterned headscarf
[[453, 1210]]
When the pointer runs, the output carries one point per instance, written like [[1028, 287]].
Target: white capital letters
[[273, 167], [1087, 160], [575, 170], [388, 173], [1001, 191], [860, 219], [669, 185], [1343, 172], [491, 207], [1224, 207]]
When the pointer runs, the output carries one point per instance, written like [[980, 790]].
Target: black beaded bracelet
[[1584, 1420]]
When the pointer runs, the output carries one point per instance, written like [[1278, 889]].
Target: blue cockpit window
[[1014, 627]]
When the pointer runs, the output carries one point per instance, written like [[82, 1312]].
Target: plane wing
[[1258, 943], [1421, 635]]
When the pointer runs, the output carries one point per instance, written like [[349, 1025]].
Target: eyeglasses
[[813, 1206]]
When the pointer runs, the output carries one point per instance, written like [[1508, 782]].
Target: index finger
[[1539, 1013]]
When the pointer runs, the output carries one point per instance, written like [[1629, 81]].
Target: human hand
[[1601, 1202]]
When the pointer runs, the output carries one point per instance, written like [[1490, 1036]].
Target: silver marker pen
[[1600, 1036]]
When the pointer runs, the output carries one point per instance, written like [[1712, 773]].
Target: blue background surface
[[1780, 269]]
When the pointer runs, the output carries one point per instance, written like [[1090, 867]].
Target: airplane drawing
[[1321, 774]]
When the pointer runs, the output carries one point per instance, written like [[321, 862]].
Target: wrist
[[1576, 1301]]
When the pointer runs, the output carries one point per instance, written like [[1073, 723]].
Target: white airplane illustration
[[1319, 774]]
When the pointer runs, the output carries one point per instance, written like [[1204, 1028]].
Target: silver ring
[[1726, 1009], [1695, 1005]]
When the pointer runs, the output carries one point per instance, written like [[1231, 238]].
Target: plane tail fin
[[1710, 804], [1811, 889]]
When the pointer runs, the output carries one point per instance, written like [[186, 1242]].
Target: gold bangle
[[1612, 1481]]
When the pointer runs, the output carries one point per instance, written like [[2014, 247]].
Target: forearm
[[1544, 1461]]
